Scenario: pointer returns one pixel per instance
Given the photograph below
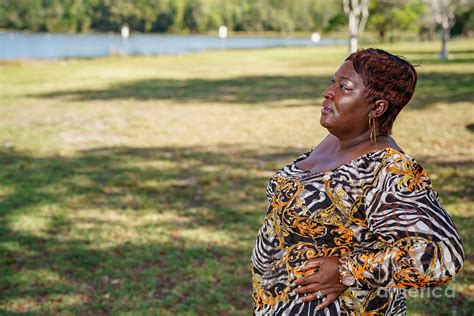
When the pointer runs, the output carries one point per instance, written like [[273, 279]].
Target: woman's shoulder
[[397, 156], [387, 151], [402, 171], [388, 158]]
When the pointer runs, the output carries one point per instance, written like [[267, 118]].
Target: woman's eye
[[341, 86]]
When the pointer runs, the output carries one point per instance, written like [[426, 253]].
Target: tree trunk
[[352, 33], [353, 44], [382, 35], [443, 54], [443, 14], [432, 32]]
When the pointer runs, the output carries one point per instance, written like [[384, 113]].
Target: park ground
[[135, 186]]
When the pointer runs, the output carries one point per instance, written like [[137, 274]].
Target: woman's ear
[[380, 107]]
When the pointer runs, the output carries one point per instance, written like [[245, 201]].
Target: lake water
[[45, 45]]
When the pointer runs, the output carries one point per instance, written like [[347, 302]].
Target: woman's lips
[[325, 109]]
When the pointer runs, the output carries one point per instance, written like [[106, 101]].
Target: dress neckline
[[308, 171]]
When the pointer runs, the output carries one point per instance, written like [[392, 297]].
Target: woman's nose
[[328, 93]]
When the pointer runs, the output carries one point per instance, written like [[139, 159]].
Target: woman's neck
[[348, 143]]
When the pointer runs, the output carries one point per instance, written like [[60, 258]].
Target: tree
[[443, 14], [402, 15], [380, 18], [464, 24], [358, 12], [170, 15], [21, 15]]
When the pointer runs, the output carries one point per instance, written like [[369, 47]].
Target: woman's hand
[[321, 277]]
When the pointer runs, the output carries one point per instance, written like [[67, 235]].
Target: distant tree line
[[177, 16], [191, 16]]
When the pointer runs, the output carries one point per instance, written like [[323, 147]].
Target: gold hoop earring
[[373, 132]]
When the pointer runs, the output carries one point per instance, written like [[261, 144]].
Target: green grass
[[135, 186]]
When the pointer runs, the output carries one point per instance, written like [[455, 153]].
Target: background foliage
[[183, 16]]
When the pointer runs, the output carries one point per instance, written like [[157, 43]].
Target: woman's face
[[345, 110]]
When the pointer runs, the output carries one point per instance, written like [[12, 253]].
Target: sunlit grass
[[137, 185]]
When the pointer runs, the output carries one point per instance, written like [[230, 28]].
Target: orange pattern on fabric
[[412, 175], [339, 226]]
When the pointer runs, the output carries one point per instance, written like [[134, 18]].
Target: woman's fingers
[[312, 292], [310, 278], [319, 276], [311, 288], [312, 264], [331, 297], [311, 297], [327, 299]]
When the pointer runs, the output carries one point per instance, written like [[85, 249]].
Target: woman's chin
[[324, 121]]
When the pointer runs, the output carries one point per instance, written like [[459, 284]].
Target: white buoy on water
[[125, 31], [222, 31], [316, 37]]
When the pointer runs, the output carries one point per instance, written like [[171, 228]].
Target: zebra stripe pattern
[[379, 210]]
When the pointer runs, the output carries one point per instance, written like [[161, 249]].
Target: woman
[[354, 221]]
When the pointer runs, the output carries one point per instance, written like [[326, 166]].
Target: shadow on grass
[[151, 278], [455, 179], [432, 88], [125, 178], [435, 53], [435, 88], [208, 190], [430, 57], [211, 190], [250, 90], [444, 300], [453, 60]]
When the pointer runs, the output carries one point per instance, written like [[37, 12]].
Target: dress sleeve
[[417, 243], [270, 189]]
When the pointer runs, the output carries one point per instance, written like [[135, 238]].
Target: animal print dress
[[379, 210]]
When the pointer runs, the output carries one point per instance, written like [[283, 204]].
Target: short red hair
[[386, 77]]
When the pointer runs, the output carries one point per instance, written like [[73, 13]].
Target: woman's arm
[[418, 243]]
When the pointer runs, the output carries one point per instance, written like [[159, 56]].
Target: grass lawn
[[135, 186]]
